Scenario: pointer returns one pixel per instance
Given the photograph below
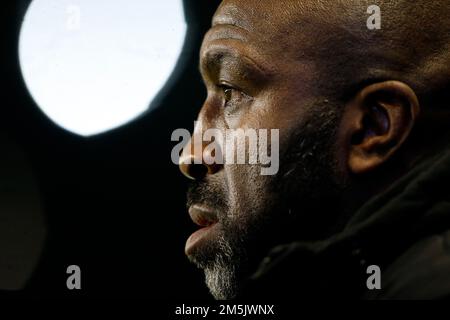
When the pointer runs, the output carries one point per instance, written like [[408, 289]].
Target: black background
[[114, 203]]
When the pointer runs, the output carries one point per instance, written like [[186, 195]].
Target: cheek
[[275, 109], [249, 193]]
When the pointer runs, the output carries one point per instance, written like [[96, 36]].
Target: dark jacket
[[405, 231]]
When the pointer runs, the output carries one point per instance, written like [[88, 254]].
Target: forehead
[[266, 18], [287, 28], [244, 14]]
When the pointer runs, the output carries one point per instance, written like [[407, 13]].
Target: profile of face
[[265, 66]]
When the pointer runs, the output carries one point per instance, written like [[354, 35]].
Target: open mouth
[[207, 220]]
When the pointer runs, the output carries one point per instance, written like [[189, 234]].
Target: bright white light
[[94, 65]]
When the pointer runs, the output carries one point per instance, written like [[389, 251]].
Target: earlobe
[[377, 122]]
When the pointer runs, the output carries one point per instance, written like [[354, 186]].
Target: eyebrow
[[214, 59]]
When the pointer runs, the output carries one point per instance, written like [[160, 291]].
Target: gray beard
[[307, 166], [221, 273]]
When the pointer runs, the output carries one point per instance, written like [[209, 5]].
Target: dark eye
[[228, 94], [231, 95], [233, 99]]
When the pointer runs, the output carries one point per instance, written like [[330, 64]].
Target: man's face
[[255, 80]]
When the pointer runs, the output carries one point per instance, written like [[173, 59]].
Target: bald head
[[412, 46]]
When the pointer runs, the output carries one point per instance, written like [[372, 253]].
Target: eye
[[228, 94], [232, 96]]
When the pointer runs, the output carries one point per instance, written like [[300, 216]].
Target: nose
[[192, 162]]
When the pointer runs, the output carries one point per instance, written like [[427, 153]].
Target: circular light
[[92, 66]]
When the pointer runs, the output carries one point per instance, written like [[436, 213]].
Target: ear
[[376, 123]]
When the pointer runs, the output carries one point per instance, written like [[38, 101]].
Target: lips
[[207, 220]]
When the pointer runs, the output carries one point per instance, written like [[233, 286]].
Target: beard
[[293, 206]]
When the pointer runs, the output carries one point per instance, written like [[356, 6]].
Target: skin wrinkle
[[218, 56], [248, 51]]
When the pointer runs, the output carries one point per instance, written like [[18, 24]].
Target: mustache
[[209, 193]]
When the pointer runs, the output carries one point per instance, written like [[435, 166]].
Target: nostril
[[192, 170], [197, 171]]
